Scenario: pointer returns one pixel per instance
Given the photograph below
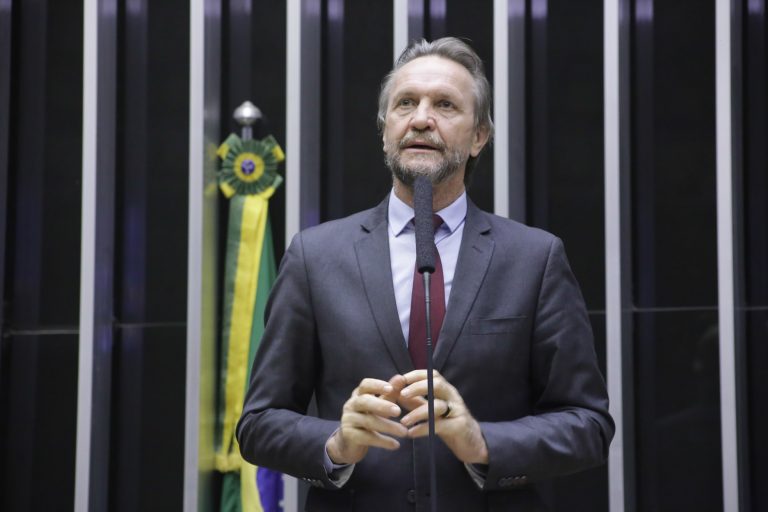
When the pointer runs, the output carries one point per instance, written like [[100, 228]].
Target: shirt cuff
[[338, 474], [477, 472]]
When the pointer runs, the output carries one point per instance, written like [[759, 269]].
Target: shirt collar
[[400, 214]]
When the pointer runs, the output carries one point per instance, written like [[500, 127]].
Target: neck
[[442, 195]]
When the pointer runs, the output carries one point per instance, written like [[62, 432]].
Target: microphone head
[[425, 231]]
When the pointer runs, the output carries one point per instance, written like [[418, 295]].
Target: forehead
[[433, 74]]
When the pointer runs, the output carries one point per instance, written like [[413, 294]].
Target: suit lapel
[[376, 271], [472, 264]]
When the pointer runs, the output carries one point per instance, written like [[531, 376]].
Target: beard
[[449, 163]]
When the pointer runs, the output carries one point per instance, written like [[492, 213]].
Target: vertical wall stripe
[[399, 26], [293, 122], [302, 164], [292, 166], [87, 255], [416, 13], [501, 107], [509, 100], [204, 133], [517, 110], [194, 252], [614, 302], [96, 256], [725, 253]]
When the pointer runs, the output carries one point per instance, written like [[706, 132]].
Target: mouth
[[420, 146]]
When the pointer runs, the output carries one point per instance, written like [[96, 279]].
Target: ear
[[482, 133]]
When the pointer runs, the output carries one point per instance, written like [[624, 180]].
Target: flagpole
[[249, 177]]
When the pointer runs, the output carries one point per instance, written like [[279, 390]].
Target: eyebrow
[[441, 93]]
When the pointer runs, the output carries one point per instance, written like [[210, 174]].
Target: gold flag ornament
[[249, 167]]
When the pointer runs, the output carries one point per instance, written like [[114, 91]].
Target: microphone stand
[[425, 262], [426, 275]]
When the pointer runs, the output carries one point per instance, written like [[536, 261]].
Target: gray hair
[[459, 52]]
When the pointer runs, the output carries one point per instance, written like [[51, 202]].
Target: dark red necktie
[[417, 330]]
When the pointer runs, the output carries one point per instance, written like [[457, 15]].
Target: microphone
[[425, 263], [425, 231]]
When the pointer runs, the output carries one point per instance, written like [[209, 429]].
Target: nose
[[423, 118]]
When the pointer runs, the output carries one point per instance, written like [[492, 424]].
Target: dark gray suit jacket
[[516, 343]]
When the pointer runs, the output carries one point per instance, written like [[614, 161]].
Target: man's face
[[430, 128]]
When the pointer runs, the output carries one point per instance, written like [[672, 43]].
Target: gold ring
[[447, 410]]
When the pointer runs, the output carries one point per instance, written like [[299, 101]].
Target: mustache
[[425, 138]]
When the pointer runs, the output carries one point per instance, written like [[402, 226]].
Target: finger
[[421, 414], [373, 423], [411, 403], [442, 388], [362, 437], [373, 405], [419, 430], [398, 382], [416, 375], [373, 387], [447, 411], [417, 415]]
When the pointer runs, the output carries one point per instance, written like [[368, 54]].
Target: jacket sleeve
[[569, 428], [274, 430]]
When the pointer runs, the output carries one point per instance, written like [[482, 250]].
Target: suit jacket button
[[520, 481], [505, 481], [411, 496]]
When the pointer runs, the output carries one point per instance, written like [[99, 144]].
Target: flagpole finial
[[245, 115]]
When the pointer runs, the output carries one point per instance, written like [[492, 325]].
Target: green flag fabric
[[248, 177]]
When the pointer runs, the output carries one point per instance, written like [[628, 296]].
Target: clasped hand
[[369, 418]]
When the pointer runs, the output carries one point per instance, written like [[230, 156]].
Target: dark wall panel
[[677, 411], [268, 78], [38, 378], [152, 187], [473, 22], [148, 419], [756, 322], [152, 164], [45, 160], [565, 135], [674, 256], [755, 130], [564, 146], [357, 53], [754, 214], [39, 412], [673, 153]]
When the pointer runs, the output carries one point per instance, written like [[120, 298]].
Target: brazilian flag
[[248, 177]]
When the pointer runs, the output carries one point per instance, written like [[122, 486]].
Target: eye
[[405, 102], [445, 104]]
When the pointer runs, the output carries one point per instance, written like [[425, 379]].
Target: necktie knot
[[437, 221]]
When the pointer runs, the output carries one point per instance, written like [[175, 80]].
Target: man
[[518, 395]]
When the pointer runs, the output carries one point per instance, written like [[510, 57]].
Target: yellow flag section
[[245, 249]]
